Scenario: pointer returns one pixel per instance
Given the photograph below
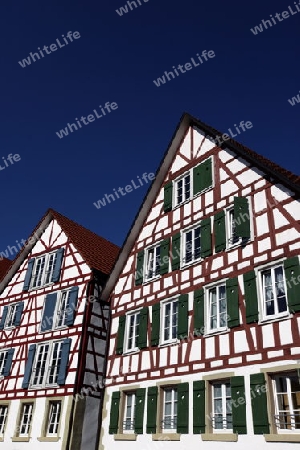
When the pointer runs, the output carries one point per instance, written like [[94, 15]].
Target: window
[[3, 361], [191, 245], [152, 262], [273, 290], [53, 418], [11, 316], [286, 388], [62, 309], [25, 420], [47, 363], [132, 331], [169, 417], [232, 237], [43, 270], [3, 418], [182, 189], [216, 308], [169, 321], [238, 223], [221, 406], [129, 412]]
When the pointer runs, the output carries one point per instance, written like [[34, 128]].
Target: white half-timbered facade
[[205, 297], [53, 330]]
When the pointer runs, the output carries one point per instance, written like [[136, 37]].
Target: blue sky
[[116, 59]]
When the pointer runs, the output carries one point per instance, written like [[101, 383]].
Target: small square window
[[132, 331], [182, 189], [216, 307], [169, 321], [191, 245], [152, 263], [286, 389], [273, 292]]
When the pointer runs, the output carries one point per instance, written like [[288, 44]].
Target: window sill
[[184, 266], [275, 319], [125, 437], [225, 437], [166, 344], [213, 333], [20, 439], [40, 287], [131, 352], [48, 439], [282, 437], [150, 280], [166, 437], [240, 243]]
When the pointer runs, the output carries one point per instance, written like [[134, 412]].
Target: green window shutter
[[183, 319], [176, 251], [151, 409], [114, 413], [168, 195], [239, 405], [232, 299], [206, 248], [202, 176], [242, 217], [183, 408], [220, 232], [164, 256], [143, 328], [292, 272], [251, 297], [120, 336], [139, 268], [259, 404], [199, 312], [199, 407], [155, 325], [139, 411]]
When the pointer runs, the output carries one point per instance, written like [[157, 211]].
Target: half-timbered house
[[205, 297], [53, 330]]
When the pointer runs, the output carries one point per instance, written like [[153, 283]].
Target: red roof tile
[[4, 266]]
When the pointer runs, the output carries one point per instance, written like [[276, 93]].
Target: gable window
[[152, 262], [3, 418], [182, 189], [47, 363], [53, 418], [25, 420], [221, 406], [169, 416], [191, 245], [286, 388], [43, 270], [169, 321], [132, 331], [129, 412], [273, 292], [62, 309], [216, 308]]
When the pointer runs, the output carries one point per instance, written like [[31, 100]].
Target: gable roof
[[273, 170], [4, 266], [97, 252]]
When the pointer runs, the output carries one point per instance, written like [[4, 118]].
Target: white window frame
[[175, 189], [164, 304], [22, 422], [183, 246], [229, 216], [286, 375], [11, 316], [207, 293], [261, 293], [224, 398], [149, 259], [45, 272], [130, 314], [3, 418], [174, 409], [48, 359], [51, 413], [3, 360], [131, 417], [62, 296]]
